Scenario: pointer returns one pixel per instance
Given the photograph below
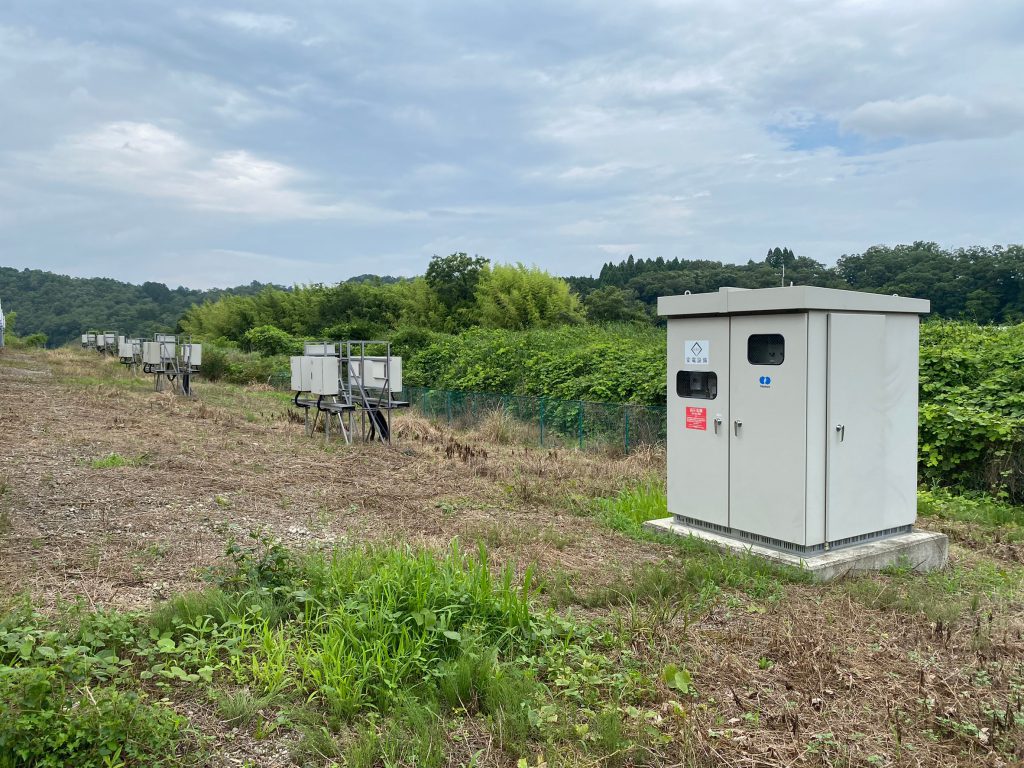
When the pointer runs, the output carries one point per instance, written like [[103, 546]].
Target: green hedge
[[972, 406], [222, 363], [972, 384], [615, 364]]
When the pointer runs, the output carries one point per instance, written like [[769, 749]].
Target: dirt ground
[[819, 677]]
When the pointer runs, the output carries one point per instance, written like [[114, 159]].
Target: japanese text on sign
[[696, 351], [696, 418]]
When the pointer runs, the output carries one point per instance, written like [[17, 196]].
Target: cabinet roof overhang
[[797, 298]]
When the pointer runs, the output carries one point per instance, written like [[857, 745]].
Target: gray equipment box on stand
[[792, 417]]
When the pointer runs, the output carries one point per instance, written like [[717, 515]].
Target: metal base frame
[[373, 404]]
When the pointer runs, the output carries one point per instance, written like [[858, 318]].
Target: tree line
[[459, 291], [61, 308], [979, 283]]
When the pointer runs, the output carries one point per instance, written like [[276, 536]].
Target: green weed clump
[[634, 506], [365, 655], [66, 697], [353, 630], [380, 647], [113, 460]]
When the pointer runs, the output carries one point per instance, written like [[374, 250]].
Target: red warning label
[[696, 418]]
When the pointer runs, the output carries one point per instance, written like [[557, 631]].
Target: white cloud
[[931, 117], [548, 133], [235, 105], [224, 266], [255, 23], [144, 159]]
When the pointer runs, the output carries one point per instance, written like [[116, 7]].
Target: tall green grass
[[976, 508], [353, 630], [366, 655], [633, 506]]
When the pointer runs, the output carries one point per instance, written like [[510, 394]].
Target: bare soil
[[818, 677]]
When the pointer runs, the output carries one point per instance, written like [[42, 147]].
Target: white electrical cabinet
[[124, 348], [299, 377], [192, 355], [151, 352], [323, 375], [792, 414], [318, 349], [379, 373]]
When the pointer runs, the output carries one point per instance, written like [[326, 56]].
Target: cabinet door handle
[[736, 427], [841, 431], [718, 423]]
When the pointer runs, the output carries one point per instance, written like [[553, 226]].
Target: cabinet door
[[768, 431], [698, 419], [856, 457]]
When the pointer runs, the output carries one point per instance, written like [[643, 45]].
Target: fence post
[[579, 424], [448, 405], [625, 415], [542, 422]]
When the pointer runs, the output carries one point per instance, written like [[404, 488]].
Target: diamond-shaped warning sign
[[697, 352]]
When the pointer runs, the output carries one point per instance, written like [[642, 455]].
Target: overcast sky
[[214, 144]]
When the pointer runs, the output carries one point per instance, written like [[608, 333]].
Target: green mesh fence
[[546, 421], [541, 420]]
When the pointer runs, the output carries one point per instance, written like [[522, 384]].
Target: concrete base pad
[[922, 550]]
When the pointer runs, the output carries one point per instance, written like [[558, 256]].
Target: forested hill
[[63, 307], [985, 284], [979, 283]]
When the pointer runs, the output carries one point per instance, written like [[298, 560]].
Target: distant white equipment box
[[192, 354], [136, 346], [323, 375], [151, 353], [312, 349], [792, 414], [377, 374], [300, 373], [110, 339], [125, 349], [85, 339]]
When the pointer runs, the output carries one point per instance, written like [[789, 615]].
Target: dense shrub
[[253, 368], [271, 340], [226, 364], [623, 363], [972, 406], [44, 723], [520, 297], [66, 697], [215, 362]]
